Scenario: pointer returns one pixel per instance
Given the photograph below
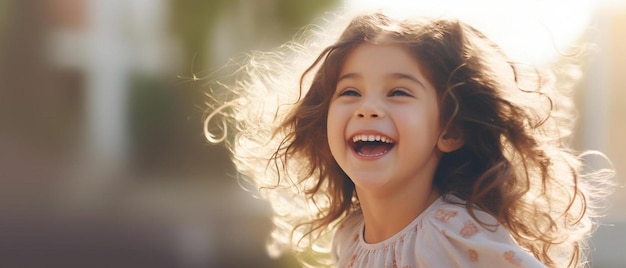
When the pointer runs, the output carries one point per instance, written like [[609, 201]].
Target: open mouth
[[371, 145]]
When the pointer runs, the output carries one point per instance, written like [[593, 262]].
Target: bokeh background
[[103, 162]]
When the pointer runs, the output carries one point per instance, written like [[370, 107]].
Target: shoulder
[[347, 234], [452, 219], [459, 240]]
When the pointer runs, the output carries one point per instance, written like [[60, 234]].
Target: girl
[[411, 143]]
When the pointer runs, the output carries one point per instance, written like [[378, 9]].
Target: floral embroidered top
[[444, 235]]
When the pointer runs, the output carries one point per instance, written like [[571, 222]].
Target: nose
[[369, 110]]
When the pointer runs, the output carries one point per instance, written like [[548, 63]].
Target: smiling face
[[383, 120]]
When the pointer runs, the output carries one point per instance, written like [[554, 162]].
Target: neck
[[386, 215]]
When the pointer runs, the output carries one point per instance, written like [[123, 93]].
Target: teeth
[[364, 137]]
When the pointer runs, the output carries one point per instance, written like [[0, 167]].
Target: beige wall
[[617, 107], [615, 48]]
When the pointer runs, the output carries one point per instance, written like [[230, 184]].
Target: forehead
[[372, 61], [369, 58]]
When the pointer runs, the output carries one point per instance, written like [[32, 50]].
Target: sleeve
[[450, 237]]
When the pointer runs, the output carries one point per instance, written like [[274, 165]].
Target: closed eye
[[349, 92], [399, 92]]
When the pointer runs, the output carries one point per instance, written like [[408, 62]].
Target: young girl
[[410, 143]]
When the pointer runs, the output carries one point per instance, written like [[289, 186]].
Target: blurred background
[[103, 162]]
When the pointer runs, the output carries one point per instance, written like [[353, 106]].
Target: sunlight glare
[[532, 31]]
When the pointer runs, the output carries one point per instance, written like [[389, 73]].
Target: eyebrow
[[392, 75], [407, 76]]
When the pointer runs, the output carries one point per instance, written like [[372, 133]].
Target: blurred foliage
[[192, 21], [165, 115], [293, 13], [156, 108], [153, 112]]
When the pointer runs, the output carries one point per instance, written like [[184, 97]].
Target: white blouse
[[444, 235]]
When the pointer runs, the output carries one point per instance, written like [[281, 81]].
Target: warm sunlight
[[532, 31], [103, 159]]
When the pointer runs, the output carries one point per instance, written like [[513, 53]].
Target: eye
[[399, 92], [349, 92]]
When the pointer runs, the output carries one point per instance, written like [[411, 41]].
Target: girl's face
[[383, 120]]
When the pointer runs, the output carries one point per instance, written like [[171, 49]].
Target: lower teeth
[[378, 154]]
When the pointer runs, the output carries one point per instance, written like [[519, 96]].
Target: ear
[[451, 139]]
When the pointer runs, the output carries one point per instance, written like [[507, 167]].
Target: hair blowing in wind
[[516, 162]]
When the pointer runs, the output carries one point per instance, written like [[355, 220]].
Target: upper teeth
[[365, 137]]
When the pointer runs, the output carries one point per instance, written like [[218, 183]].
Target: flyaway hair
[[516, 163]]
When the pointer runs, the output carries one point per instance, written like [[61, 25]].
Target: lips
[[371, 145]]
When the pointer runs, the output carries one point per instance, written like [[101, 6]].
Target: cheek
[[422, 123], [434, 118], [335, 127]]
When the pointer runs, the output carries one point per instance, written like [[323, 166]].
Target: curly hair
[[515, 163]]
